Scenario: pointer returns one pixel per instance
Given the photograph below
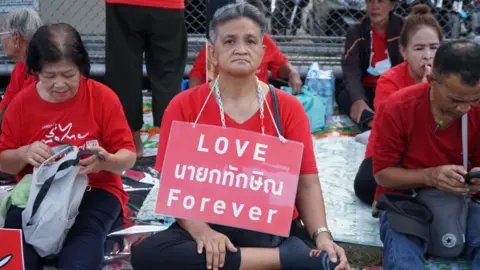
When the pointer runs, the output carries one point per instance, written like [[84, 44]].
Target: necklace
[[260, 97]]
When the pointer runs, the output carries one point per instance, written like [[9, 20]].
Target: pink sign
[[230, 177], [11, 250]]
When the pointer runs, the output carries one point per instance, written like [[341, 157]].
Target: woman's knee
[[170, 247], [364, 184], [343, 100], [151, 252]]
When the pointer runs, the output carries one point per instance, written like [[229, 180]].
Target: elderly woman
[[371, 48], [420, 37], [75, 110], [236, 34], [18, 29], [273, 61]]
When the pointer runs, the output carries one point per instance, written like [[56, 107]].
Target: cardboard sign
[[11, 250], [231, 177]]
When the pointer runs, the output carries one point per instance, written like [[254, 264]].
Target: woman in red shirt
[[371, 48], [419, 39], [75, 110], [239, 99], [273, 60], [18, 29]]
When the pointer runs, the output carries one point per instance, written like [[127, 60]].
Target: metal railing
[[305, 30]]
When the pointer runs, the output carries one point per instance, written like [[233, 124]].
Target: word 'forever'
[[219, 207]]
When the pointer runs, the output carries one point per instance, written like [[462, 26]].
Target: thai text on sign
[[231, 177]]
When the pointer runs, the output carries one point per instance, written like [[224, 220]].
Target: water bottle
[[327, 86], [323, 82]]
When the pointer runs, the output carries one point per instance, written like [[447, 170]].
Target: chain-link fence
[[305, 30]]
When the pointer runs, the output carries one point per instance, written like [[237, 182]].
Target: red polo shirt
[[390, 82], [187, 105], [272, 61], [19, 79], [404, 134], [174, 4]]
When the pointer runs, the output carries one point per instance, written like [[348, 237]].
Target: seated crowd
[[417, 94]]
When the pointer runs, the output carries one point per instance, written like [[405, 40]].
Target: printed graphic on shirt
[[64, 133]]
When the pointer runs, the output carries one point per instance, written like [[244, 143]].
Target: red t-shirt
[[405, 135], [379, 53], [173, 4], [390, 82], [272, 61], [19, 79], [94, 115], [187, 105]]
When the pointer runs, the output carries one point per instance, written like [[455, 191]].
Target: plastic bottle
[[323, 82]]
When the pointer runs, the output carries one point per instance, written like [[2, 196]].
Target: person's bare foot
[[138, 143]]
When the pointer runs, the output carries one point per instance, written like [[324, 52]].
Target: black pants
[[83, 249], [174, 248], [345, 103], [161, 34], [364, 183]]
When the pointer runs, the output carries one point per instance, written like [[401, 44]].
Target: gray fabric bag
[[450, 213], [448, 228], [55, 196]]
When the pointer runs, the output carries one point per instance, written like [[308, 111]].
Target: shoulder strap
[[465, 140], [276, 110]]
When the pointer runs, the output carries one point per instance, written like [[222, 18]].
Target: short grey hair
[[24, 21], [236, 11]]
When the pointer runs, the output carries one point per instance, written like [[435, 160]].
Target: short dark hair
[[236, 11], [55, 42], [459, 57]]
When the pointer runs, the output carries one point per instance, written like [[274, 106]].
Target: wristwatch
[[319, 231]]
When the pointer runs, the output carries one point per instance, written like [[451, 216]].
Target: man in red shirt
[[419, 144], [156, 28]]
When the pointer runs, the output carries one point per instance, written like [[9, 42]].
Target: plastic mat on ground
[[338, 159], [147, 212]]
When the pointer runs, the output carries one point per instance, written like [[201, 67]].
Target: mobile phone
[[472, 174]]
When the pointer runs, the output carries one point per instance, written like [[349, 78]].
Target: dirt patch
[[361, 257]]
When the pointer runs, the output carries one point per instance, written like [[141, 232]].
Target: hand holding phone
[[469, 176]]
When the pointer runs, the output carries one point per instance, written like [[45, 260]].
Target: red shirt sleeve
[[199, 69], [389, 134], [11, 137], [276, 57], [296, 127], [115, 132], [172, 112], [385, 87], [18, 75]]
